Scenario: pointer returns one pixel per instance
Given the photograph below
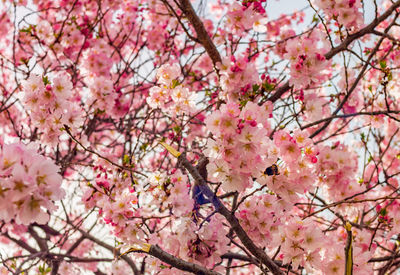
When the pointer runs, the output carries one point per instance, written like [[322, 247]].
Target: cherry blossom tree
[[199, 137]]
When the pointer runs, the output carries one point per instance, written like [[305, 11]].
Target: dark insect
[[272, 170]]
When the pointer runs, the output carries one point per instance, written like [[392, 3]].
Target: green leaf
[[177, 129], [255, 87], [126, 159], [243, 103], [99, 112], [268, 87], [144, 146], [27, 29], [175, 83], [46, 80]]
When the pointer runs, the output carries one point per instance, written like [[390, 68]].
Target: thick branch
[[279, 92], [201, 32], [47, 229], [237, 256], [157, 252], [384, 259], [41, 242]]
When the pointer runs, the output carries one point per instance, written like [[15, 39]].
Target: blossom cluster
[[301, 243], [262, 216], [105, 97], [241, 148], [307, 61], [249, 15], [172, 191], [298, 159], [241, 140], [334, 259], [337, 167], [269, 221], [171, 95], [113, 194], [237, 74], [51, 105], [29, 185], [315, 106], [345, 12]]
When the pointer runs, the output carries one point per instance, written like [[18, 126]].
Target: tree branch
[[22, 244], [110, 248], [201, 32], [157, 252]]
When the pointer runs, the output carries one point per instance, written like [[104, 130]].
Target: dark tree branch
[[157, 252], [201, 32], [111, 249], [374, 113], [21, 243]]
